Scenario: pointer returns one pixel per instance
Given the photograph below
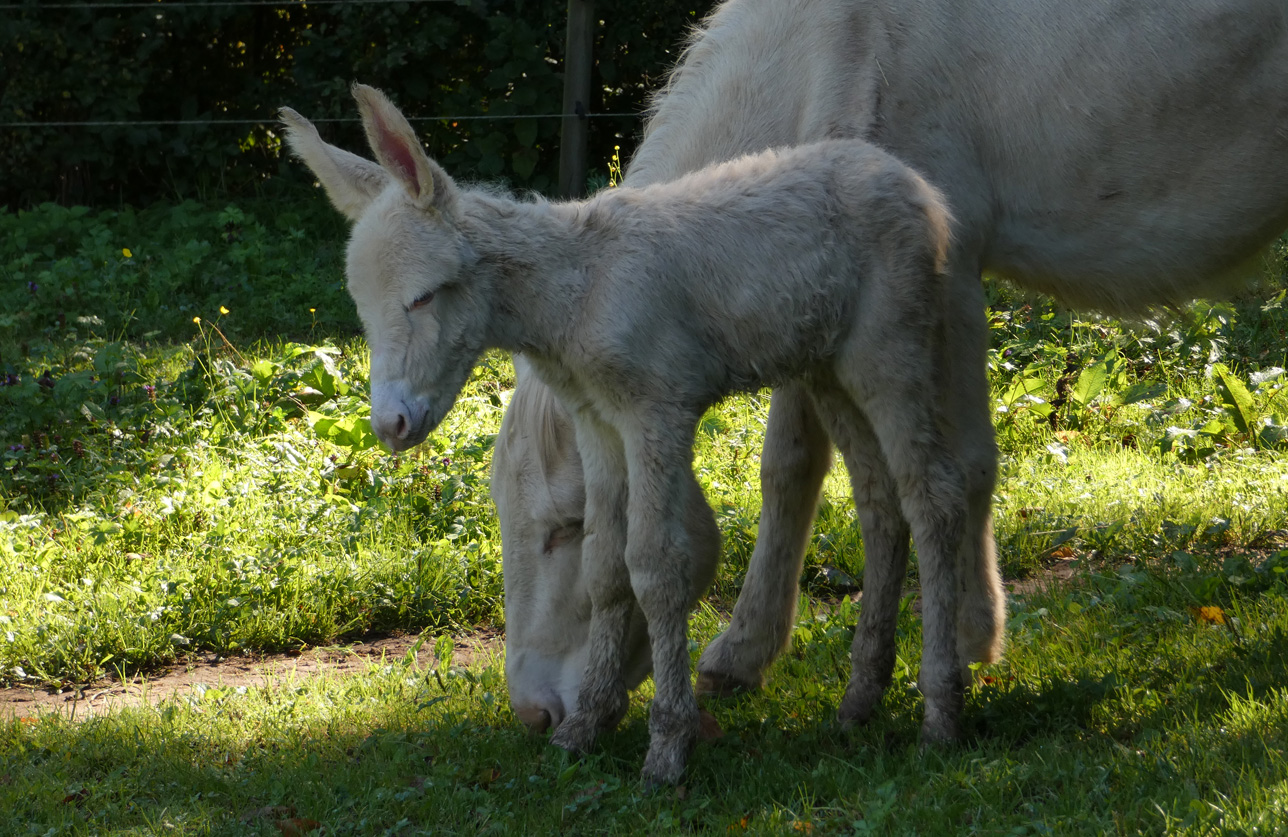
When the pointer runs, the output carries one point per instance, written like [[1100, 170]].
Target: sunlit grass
[[213, 485], [1125, 502], [215, 517], [1116, 711]]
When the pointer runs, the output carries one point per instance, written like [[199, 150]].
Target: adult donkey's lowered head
[[641, 308]]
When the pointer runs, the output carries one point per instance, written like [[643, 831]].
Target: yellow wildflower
[[1211, 614], [125, 251], [223, 310]]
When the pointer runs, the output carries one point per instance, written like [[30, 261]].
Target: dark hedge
[[170, 61]]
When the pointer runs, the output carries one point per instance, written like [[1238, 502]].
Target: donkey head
[[409, 267]]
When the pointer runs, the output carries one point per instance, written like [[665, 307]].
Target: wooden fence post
[[578, 59]]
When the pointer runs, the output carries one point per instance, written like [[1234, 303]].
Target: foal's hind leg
[[889, 373], [795, 459], [933, 498], [885, 549], [602, 698]]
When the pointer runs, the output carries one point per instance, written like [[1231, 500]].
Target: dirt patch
[[1055, 572], [208, 670]]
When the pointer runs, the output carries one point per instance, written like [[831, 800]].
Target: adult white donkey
[[1118, 154], [643, 307]]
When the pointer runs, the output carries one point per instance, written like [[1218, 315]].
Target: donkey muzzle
[[401, 422]]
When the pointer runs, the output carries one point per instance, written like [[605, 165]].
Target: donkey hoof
[[721, 675], [862, 697], [672, 736], [721, 685], [654, 782], [664, 764], [576, 734], [939, 729]]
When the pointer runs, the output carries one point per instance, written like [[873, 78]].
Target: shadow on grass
[[1105, 745], [1145, 689], [380, 757]]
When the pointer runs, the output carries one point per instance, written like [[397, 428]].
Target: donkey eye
[[421, 301], [562, 535]]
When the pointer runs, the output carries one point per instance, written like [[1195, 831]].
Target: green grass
[[170, 485], [217, 517], [1117, 711]]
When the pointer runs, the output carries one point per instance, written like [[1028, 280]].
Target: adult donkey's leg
[[602, 699], [981, 616], [885, 549], [796, 456]]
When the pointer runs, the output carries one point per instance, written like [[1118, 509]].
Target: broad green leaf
[[1027, 385], [361, 436], [1214, 428], [1236, 398], [1039, 408], [526, 132], [322, 424], [262, 370], [1090, 382], [1142, 391], [525, 162]]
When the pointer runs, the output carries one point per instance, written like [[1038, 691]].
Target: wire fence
[[44, 15], [171, 122], [206, 4]]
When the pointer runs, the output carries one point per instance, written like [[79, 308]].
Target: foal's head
[[408, 267]]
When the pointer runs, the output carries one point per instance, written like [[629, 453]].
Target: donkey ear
[[350, 181], [397, 149]]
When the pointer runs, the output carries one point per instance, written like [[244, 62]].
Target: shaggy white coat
[[641, 308], [1119, 154]]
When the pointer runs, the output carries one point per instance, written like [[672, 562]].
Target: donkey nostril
[[401, 428], [536, 720]]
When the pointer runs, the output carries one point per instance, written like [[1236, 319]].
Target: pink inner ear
[[397, 155]]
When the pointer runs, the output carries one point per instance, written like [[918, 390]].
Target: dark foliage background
[[171, 61]]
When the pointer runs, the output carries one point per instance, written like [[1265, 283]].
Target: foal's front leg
[[602, 698], [658, 553]]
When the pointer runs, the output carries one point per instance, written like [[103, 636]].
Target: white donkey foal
[[643, 307]]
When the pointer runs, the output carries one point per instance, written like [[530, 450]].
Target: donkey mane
[[536, 408], [690, 58], [702, 44]]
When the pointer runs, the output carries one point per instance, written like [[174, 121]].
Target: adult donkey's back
[[1117, 154]]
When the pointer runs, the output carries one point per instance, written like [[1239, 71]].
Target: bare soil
[[209, 670]]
